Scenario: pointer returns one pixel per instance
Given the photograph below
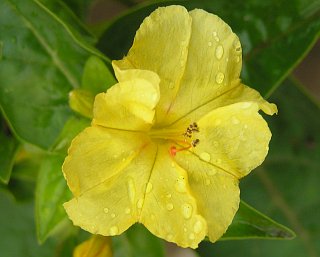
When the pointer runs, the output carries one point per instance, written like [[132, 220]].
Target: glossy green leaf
[[137, 242], [96, 77], [8, 149], [52, 191], [42, 60], [250, 223], [275, 35], [286, 187], [17, 229]]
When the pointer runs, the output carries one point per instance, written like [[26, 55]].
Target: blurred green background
[[43, 48]]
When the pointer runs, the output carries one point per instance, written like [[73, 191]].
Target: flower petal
[[97, 154], [240, 93], [169, 209], [234, 138], [112, 206], [161, 45], [133, 99], [96, 246], [216, 193], [213, 66]]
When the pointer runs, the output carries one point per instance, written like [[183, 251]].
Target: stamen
[[188, 135]]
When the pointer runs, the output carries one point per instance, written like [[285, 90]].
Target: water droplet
[[171, 85], [113, 215], [219, 77], [168, 195], [131, 190], [191, 236], [219, 52], [169, 237], [215, 36], [169, 206], [246, 105], [113, 230], [205, 156], [180, 185], [115, 156], [140, 203], [149, 188], [123, 159], [172, 164], [209, 43], [207, 182], [235, 121], [106, 210], [245, 126], [127, 211], [212, 172], [215, 143], [186, 210], [197, 227], [238, 59], [185, 229], [237, 45]]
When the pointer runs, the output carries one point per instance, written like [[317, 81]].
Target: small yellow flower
[[169, 143], [96, 246]]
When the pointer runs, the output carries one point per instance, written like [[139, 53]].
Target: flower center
[[181, 140]]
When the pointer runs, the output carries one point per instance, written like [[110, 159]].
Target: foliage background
[[44, 46]]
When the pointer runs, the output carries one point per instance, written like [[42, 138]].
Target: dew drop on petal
[[235, 121], [246, 105], [113, 215], [171, 85], [191, 236], [140, 203], [209, 43], [149, 188], [186, 210], [169, 206], [219, 77], [238, 59], [106, 210], [131, 190], [180, 185], [168, 195], [205, 156], [219, 52], [113, 230], [197, 227], [127, 211], [237, 45], [212, 172]]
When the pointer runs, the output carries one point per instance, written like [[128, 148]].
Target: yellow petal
[[96, 246], [97, 154], [239, 93], [112, 206], [216, 193], [213, 66], [161, 45], [132, 100], [234, 138], [169, 209]]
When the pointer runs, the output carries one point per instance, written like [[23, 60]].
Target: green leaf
[[42, 60], [272, 44], [250, 223], [137, 241], [18, 230], [96, 77], [287, 185], [51, 192], [71, 128], [8, 149]]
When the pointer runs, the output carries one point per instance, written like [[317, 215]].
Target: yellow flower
[[169, 143], [96, 246]]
